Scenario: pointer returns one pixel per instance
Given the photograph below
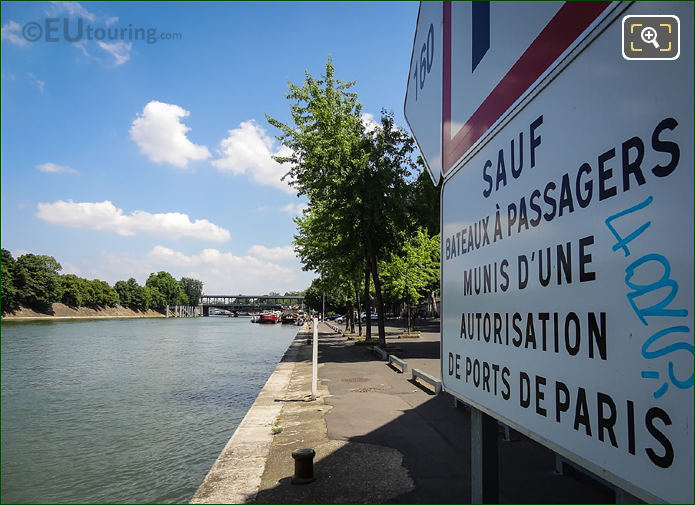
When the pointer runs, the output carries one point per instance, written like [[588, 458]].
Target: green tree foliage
[[356, 182], [9, 296], [125, 295], [101, 294], [313, 297], [74, 290], [38, 281], [33, 281], [170, 290], [140, 297], [409, 275], [424, 204], [132, 295], [387, 213], [192, 288], [156, 300]]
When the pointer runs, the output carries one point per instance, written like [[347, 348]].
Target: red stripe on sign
[[562, 30], [446, 83]]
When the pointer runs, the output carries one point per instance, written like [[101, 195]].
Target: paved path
[[381, 438]]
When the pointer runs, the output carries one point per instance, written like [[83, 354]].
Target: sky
[[140, 143]]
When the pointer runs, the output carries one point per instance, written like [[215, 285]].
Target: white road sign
[[423, 98], [488, 57], [567, 264]]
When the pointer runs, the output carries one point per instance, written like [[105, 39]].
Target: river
[[126, 410]]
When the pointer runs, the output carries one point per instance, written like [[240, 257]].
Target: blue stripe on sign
[[480, 31]]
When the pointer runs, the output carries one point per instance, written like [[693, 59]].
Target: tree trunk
[[367, 304], [410, 317], [433, 299], [359, 319], [349, 323], [352, 318], [379, 300]]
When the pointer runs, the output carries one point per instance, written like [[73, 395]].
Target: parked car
[[372, 316], [333, 317], [340, 319]]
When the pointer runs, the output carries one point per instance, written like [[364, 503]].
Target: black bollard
[[303, 466]]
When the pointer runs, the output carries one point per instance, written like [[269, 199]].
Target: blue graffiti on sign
[[649, 291]]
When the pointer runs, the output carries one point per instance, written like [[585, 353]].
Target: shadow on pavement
[[419, 448]]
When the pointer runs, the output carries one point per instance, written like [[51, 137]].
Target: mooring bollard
[[303, 466]]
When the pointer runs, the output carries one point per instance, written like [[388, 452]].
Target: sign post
[[484, 455], [314, 359], [567, 231]]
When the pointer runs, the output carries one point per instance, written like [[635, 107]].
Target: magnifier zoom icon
[[648, 36]]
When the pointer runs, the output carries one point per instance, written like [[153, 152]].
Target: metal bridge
[[248, 303]]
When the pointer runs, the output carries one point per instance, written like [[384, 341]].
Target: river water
[[126, 410]]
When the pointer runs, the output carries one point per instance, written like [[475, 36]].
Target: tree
[[34, 281], [9, 296], [313, 297], [100, 294], [155, 299], [386, 192], [192, 288], [125, 295], [140, 297], [424, 204], [409, 274], [38, 281], [73, 288], [170, 290], [355, 181], [132, 295]]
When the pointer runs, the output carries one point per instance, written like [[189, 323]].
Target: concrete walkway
[[378, 437]]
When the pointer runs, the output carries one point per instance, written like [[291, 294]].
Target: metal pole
[[323, 311], [484, 464], [314, 359]]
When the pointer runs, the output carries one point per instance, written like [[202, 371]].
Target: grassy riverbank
[[62, 311]]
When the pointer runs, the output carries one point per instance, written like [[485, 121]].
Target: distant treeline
[[34, 281]]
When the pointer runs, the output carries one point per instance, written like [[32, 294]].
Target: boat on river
[[269, 318], [292, 314]]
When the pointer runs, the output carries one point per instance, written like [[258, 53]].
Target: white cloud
[[248, 149], [161, 135], [225, 273], [69, 268], [11, 31], [55, 168], [221, 272], [119, 50], [72, 9], [112, 267], [279, 254], [39, 83], [111, 20], [82, 46], [295, 209], [369, 123], [107, 217]]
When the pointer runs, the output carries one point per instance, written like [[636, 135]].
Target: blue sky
[[122, 157]]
